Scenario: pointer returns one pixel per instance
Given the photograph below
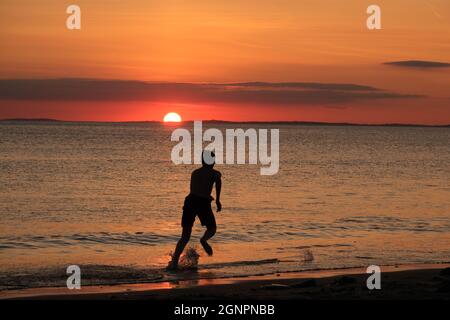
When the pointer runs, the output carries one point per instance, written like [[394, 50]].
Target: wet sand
[[397, 282]]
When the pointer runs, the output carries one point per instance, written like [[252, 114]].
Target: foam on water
[[190, 259]]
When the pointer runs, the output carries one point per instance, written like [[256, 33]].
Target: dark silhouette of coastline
[[301, 123], [32, 120]]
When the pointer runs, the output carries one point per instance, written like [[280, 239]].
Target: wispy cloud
[[263, 93], [434, 10]]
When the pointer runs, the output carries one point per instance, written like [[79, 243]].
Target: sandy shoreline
[[425, 281]]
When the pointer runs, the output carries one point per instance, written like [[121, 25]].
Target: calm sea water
[[108, 198]]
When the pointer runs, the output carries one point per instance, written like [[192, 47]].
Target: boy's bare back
[[202, 181]]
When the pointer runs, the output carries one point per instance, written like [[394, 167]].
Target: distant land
[[33, 119], [304, 123]]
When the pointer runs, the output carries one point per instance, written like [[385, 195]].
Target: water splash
[[189, 260]]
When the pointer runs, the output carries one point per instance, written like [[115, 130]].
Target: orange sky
[[207, 41]]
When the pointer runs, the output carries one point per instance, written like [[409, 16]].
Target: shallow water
[[108, 198]]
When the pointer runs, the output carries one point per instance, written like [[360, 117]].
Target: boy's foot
[[207, 247], [172, 266]]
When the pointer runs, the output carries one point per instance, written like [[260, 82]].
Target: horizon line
[[231, 121]]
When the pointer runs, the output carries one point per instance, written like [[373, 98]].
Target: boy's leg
[[209, 233], [207, 219], [187, 221], [185, 236]]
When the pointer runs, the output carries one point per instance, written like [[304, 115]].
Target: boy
[[198, 203]]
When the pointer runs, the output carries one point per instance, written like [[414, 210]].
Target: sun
[[172, 117]]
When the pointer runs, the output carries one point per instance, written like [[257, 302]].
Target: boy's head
[[208, 158]]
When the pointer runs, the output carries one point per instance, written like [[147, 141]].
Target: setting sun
[[172, 117]]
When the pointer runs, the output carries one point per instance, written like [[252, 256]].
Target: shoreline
[[414, 281]]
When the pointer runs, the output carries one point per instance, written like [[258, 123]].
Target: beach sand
[[397, 282]]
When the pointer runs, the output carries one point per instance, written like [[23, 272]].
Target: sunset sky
[[292, 60]]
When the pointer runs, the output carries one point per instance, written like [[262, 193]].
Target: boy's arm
[[218, 189]]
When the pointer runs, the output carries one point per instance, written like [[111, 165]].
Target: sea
[[108, 198]]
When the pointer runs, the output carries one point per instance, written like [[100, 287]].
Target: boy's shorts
[[197, 206]]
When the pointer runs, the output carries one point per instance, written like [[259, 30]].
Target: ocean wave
[[262, 231], [93, 274], [124, 238]]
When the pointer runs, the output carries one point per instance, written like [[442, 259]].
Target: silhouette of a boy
[[198, 203]]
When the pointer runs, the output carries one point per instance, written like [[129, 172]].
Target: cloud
[[305, 85], [264, 93], [419, 64]]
